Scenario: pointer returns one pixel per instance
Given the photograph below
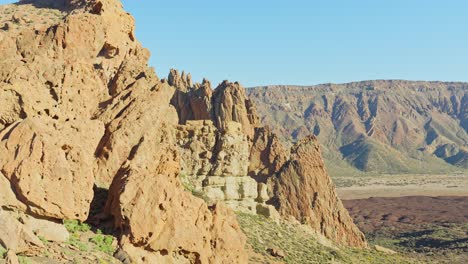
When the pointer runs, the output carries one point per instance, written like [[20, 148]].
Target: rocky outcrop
[[42, 157], [228, 103], [231, 104], [81, 108], [303, 189], [230, 158], [160, 222], [192, 101], [215, 163], [182, 82], [267, 155]]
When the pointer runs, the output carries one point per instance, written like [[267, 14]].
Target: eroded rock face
[[231, 104], [215, 163], [192, 101], [130, 116], [231, 158], [79, 107], [231, 153], [11, 108], [267, 154], [196, 141], [49, 165], [162, 223], [303, 189]]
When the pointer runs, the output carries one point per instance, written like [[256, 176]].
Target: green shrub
[[2, 252], [23, 260], [75, 241], [103, 243], [43, 240], [74, 226]]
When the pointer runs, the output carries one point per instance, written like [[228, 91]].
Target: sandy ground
[[402, 185]]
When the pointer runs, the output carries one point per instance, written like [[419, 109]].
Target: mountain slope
[[374, 126]]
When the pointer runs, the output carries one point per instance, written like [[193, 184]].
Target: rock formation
[[41, 160], [267, 155], [231, 104], [228, 103], [192, 101], [231, 158], [80, 110], [156, 215], [80, 107], [216, 163], [303, 189]]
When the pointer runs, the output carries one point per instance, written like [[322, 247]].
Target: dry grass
[[302, 246]]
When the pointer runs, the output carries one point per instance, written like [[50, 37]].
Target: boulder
[[49, 230], [276, 252], [49, 165], [15, 237]]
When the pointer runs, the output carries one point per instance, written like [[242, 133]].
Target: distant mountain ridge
[[381, 126]]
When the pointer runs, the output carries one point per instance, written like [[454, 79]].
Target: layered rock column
[[215, 163]]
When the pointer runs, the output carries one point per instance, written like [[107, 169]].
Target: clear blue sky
[[305, 41]]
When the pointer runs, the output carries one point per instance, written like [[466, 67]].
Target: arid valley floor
[[425, 216]]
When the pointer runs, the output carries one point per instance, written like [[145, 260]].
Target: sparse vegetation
[[85, 239], [76, 242], [43, 240], [103, 242], [302, 246], [23, 260], [2, 252], [189, 186], [445, 243], [74, 226]]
